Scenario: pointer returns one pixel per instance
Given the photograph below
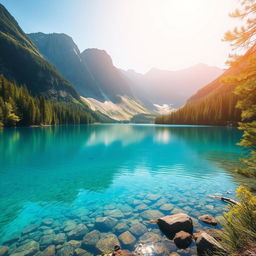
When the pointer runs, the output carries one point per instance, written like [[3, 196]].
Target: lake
[[54, 179]]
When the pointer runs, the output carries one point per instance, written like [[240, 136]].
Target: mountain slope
[[20, 61], [124, 110], [63, 53], [108, 78], [93, 74], [214, 104], [170, 87]]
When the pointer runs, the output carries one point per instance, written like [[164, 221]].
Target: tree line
[[19, 108], [211, 110]]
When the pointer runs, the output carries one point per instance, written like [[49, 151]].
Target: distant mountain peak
[[98, 54]]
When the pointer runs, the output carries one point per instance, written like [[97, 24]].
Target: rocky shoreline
[[153, 227]]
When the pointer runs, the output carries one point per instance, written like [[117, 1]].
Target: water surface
[[81, 173]]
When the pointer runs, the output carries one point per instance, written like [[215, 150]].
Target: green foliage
[[245, 89], [210, 110], [19, 108], [239, 227]]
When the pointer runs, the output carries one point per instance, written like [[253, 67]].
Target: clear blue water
[[80, 172]]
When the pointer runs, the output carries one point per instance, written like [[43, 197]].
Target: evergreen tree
[[245, 82], [19, 108]]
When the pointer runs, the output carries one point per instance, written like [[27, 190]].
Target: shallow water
[[76, 174]]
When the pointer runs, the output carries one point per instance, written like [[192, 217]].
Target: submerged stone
[[82, 252], [177, 211], [91, 239], [136, 202], [150, 237], [60, 238], [74, 243], [153, 197], [105, 223], [110, 206], [77, 232], [29, 248], [49, 251], [151, 214], [69, 225], [48, 231], [107, 243], [127, 238], [138, 229], [141, 207], [121, 227], [4, 250], [46, 240], [30, 229], [114, 213], [166, 207], [159, 249], [126, 208], [208, 219], [66, 250], [47, 222], [160, 202]]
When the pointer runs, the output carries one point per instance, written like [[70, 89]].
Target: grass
[[239, 226]]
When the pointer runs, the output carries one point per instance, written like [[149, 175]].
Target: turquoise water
[[76, 174]]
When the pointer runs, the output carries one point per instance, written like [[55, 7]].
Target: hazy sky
[[138, 34]]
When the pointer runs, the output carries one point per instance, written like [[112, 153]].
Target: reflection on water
[[53, 171]]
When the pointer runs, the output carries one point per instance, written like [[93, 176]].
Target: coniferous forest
[[220, 110], [19, 108]]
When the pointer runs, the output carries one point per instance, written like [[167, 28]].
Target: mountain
[[163, 87], [214, 104], [20, 61], [93, 74], [92, 71]]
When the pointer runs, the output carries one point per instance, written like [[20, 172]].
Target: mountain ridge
[[40, 77], [93, 75], [170, 87], [82, 68]]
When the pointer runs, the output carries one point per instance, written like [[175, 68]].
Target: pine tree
[[19, 108], [245, 82]]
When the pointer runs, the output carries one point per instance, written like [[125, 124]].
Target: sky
[[137, 34]]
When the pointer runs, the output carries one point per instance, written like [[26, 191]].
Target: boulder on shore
[[183, 239], [172, 224], [207, 245], [215, 233], [208, 219]]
